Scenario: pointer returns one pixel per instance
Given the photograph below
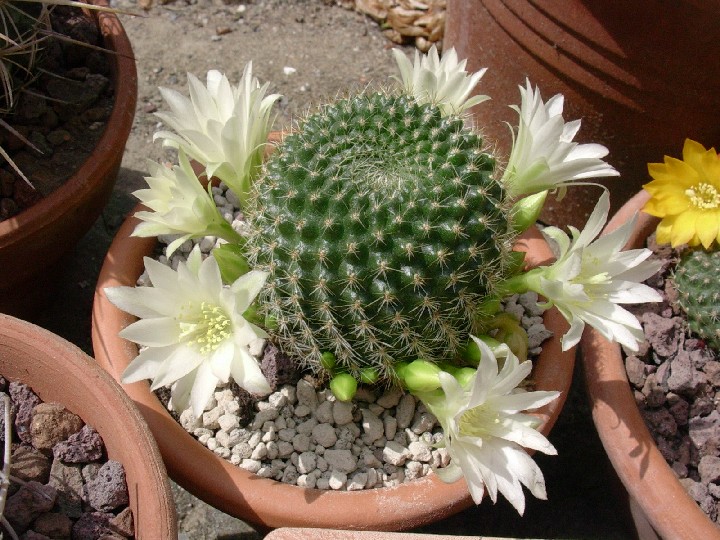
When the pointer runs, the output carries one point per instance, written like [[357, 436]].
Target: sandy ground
[[308, 50]]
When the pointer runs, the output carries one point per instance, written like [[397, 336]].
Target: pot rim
[[626, 439], [268, 502], [58, 371]]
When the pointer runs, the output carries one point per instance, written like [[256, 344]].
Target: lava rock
[[68, 481], [664, 335], [82, 447], [92, 526], [709, 469], [277, 367], [123, 523], [31, 500], [25, 401], [29, 464], [53, 525], [108, 489], [683, 379], [52, 423]]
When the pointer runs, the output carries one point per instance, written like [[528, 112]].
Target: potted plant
[[680, 205], [34, 240], [356, 216], [58, 372]]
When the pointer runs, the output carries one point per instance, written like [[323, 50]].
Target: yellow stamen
[[474, 422], [704, 196], [205, 328]]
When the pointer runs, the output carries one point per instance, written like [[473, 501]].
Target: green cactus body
[[383, 230], [696, 279]]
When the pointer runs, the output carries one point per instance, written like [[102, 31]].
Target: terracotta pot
[[267, 502], [634, 71], [33, 242], [294, 533], [649, 480], [59, 372]]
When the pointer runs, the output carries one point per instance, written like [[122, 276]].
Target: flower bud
[[343, 386], [231, 261], [327, 361], [462, 374], [369, 375], [511, 333], [420, 376], [526, 211]]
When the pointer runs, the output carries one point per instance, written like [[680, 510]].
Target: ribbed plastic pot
[[268, 503], [649, 481], [33, 242], [58, 371]]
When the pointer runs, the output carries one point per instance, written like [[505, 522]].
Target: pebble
[[340, 460], [337, 480], [394, 453], [404, 412], [342, 412]]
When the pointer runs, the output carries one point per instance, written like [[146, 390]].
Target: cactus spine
[[384, 231], [696, 278], [24, 27]]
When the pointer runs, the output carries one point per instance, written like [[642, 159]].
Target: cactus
[[695, 277], [384, 232]]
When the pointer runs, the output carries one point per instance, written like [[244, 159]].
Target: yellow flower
[[686, 195]]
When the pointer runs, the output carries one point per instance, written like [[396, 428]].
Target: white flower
[[443, 83], [590, 278], [543, 156], [192, 330], [486, 432], [221, 126], [179, 205]]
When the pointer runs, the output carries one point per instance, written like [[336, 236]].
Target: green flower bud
[[420, 376], [369, 375], [231, 261], [526, 211], [511, 333], [343, 386], [463, 374], [327, 361]]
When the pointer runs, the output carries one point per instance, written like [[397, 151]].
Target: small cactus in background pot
[[696, 276], [686, 195], [376, 247]]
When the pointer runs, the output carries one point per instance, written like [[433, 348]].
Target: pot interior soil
[[675, 378], [62, 113], [62, 483]]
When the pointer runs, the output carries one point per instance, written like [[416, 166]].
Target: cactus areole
[[384, 231]]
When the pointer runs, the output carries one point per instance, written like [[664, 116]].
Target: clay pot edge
[[58, 371], [625, 437]]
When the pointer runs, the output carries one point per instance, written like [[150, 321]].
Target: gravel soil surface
[[309, 50]]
